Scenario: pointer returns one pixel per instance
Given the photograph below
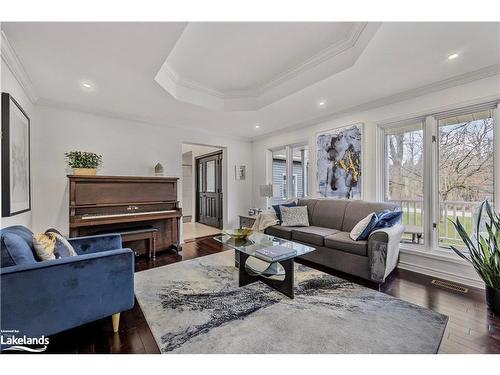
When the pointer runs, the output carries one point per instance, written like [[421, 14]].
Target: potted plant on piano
[[484, 252], [83, 163]]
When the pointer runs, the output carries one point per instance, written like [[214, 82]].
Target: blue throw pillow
[[278, 210], [15, 251], [387, 219], [369, 228]]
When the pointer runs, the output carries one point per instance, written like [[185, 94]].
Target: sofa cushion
[[357, 210], [21, 231], [279, 231], [329, 213], [15, 251], [313, 235], [311, 204], [343, 242]]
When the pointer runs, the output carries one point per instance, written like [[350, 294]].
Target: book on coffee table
[[275, 253]]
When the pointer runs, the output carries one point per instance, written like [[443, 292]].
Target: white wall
[[10, 85], [187, 183], [486, 89], [127, 147], [467, 94]]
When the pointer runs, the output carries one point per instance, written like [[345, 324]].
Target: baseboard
[[441, 274]]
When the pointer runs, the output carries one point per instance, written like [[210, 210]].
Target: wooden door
[[209, 189]]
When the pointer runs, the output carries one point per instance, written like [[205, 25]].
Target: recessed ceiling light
[[321, 103], [453, 56], [87, 85], [257, 126]]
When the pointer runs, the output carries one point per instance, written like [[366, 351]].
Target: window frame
[[431, 166], [290, 175], [382, 187]]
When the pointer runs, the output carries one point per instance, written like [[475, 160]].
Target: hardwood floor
[[471, 327]]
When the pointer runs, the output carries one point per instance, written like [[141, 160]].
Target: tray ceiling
[[246, 66]]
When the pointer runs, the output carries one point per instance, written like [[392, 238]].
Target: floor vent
[[450, 285]]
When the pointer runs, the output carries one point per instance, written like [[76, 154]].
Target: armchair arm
[[94, 244], [52, 296], [383, 251]]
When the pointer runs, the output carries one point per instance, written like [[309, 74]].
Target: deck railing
[[448, 210]]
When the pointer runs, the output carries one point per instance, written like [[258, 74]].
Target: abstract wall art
[[339, 162]]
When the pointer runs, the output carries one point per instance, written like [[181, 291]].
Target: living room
[[314, 186]]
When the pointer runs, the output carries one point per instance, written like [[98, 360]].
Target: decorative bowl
[[239, 234]]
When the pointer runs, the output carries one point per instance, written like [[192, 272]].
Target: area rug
[[196, 306]]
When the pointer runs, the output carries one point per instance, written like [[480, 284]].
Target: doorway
[[209, 195], [194, 225]]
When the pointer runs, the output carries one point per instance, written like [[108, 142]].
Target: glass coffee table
[[278, 275]]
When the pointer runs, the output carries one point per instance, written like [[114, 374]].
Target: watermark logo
[[10, 340]]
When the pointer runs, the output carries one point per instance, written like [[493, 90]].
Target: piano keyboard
[[103, 216]]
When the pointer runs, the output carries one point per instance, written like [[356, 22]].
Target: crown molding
[[327, 54], [462, 79], [17, 69], [321, 65], [178, 80]]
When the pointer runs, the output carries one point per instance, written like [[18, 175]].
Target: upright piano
[[120, 204]]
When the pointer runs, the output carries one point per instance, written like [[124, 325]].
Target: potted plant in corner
[[83, 163], [484, 253]]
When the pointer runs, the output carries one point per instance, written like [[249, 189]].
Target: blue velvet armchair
[[47, 297]]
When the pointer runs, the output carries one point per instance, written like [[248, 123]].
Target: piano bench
[[143, 233]]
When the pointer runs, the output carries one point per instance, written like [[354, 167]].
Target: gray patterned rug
[[196, 306]]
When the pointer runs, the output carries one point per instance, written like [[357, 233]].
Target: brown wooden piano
[[134, 206]]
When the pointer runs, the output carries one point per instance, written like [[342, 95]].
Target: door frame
[[196, 182]]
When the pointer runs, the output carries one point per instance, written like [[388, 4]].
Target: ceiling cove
[[225, 75]]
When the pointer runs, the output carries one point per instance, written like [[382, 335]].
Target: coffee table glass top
[[258, 240]]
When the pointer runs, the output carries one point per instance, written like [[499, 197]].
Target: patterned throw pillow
[[364, 227], [277, 209], [294, 216], [52, 245]]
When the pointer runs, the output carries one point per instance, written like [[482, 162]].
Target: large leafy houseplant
[[83, 162], [484, 252]]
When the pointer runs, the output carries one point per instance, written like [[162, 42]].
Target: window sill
[[438, 254]]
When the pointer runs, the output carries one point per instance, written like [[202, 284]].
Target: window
[[279, 175], [300, 171], [465, 171], [404, 171], [290, 168], [440, 168], [210, 176]]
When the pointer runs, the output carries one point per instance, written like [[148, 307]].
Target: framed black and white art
[[16, 190]]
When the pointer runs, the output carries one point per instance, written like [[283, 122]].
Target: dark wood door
[[209, 189]]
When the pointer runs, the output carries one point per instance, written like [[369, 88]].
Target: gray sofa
[[330, 222]]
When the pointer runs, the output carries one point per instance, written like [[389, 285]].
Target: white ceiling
[[123, 59]]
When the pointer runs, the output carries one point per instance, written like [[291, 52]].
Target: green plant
[[484, 251], [81, 159]]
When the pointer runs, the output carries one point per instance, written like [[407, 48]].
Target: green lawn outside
[[416, 219]]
